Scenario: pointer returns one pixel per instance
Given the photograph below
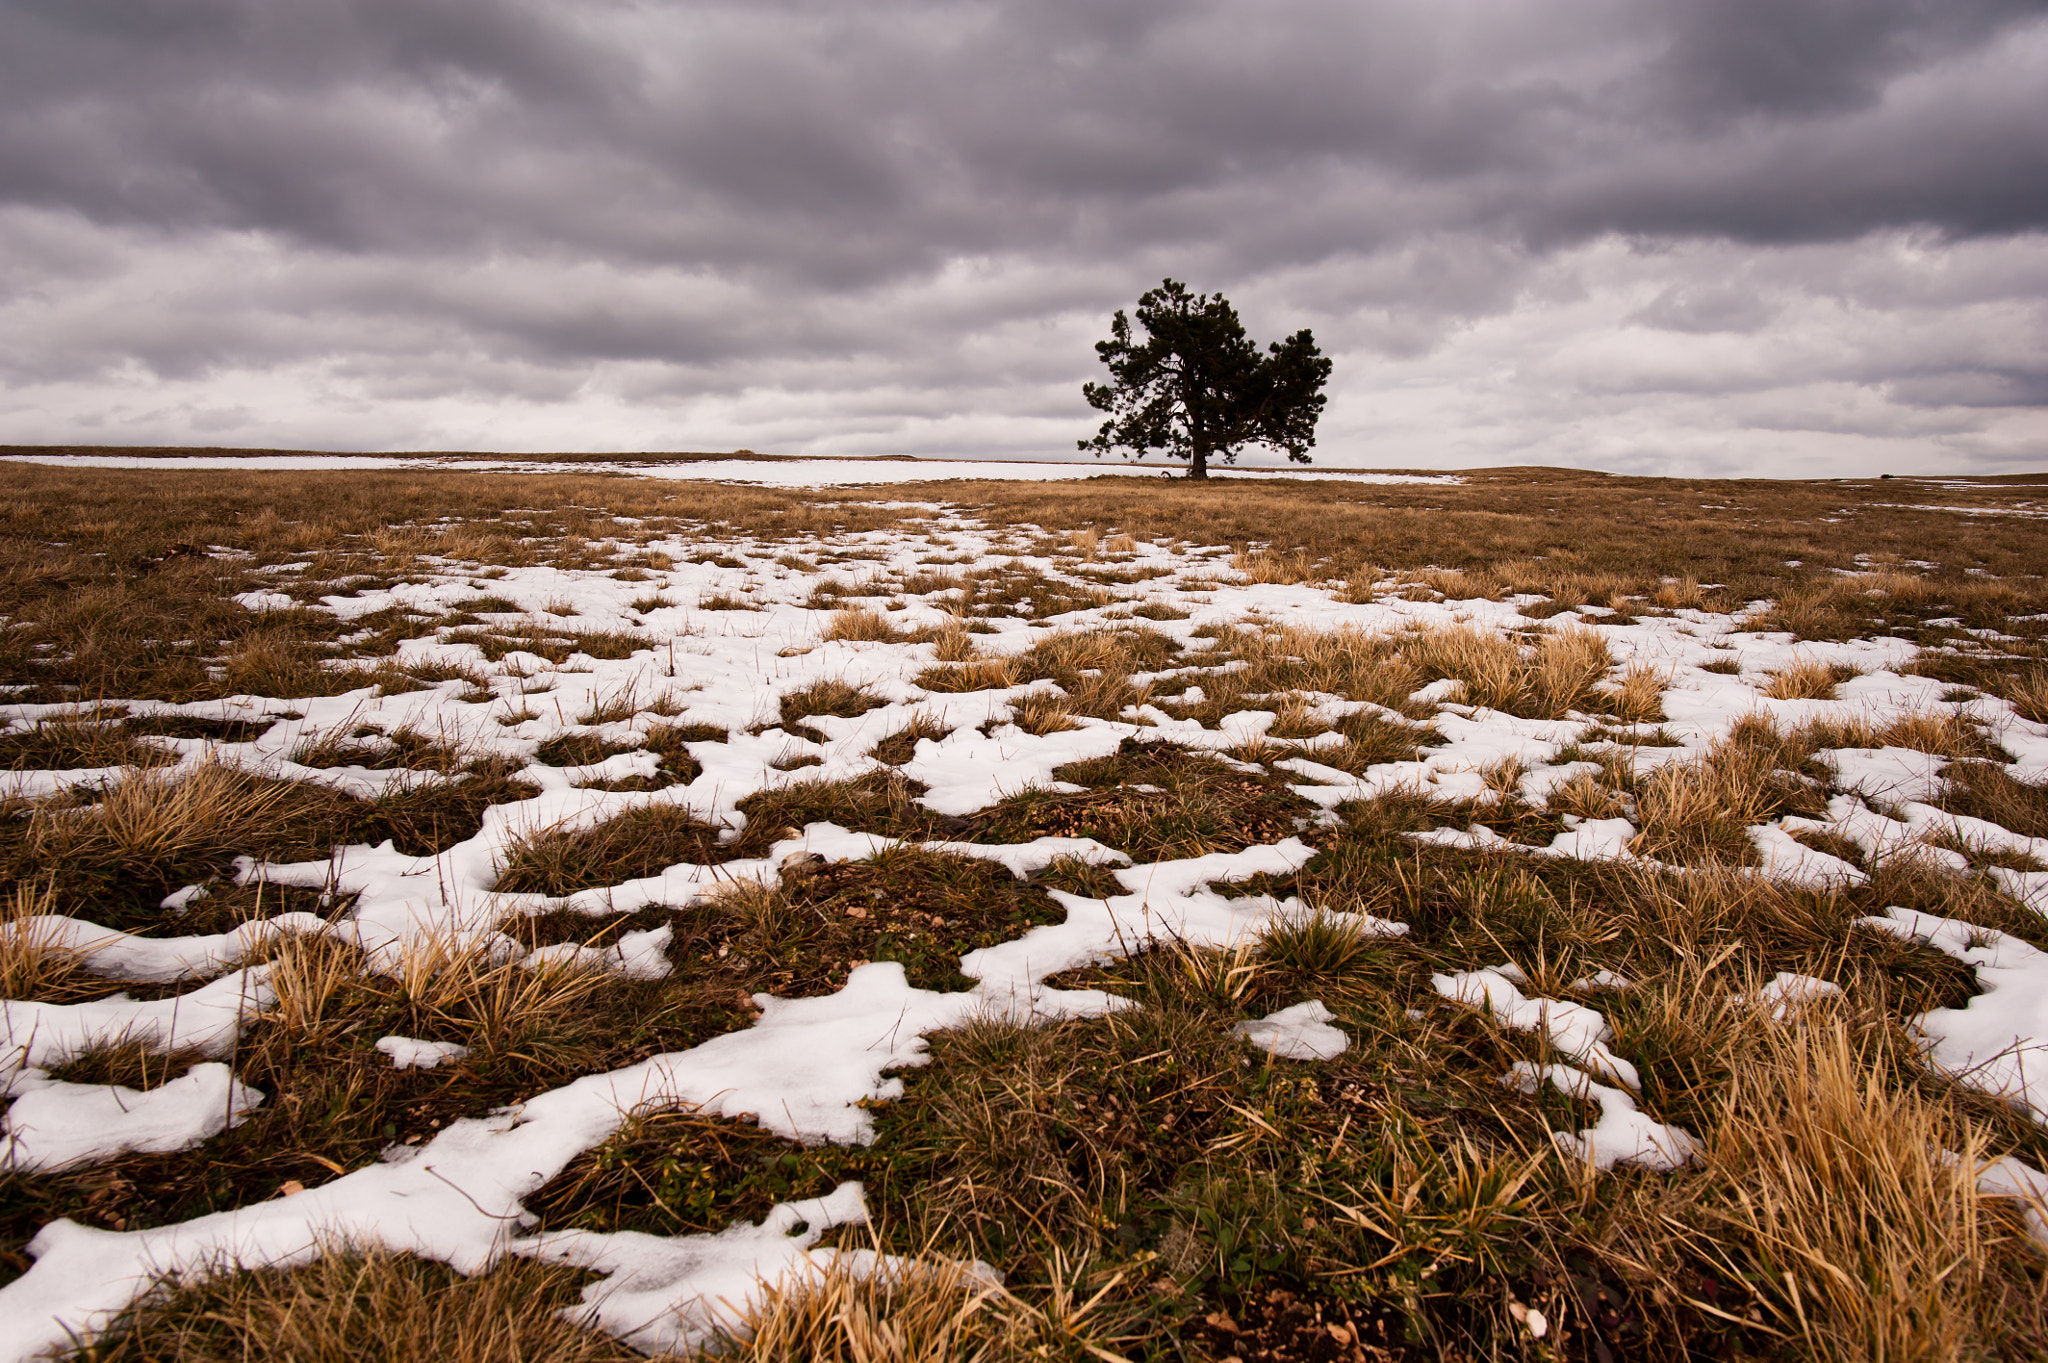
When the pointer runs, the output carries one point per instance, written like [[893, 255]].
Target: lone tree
[[1198, 386]]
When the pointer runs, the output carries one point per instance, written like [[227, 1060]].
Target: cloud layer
[[1746, 236]]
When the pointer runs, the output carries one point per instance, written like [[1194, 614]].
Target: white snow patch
[[54, 1124], [409, 1054], [1578, 1031], [1998, 1041], [1623, 1135], [1302, 1032]]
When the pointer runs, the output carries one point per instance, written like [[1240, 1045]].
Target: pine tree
[[1197, 386]]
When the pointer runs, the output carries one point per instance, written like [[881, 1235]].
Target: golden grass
[[862, 624], [1683, 593], [355, 1304], [493, 1004], [1558, 675], [2029, 694], [1807, 679], [1265, 566], [1933, 731], [987, 674], [34, 964], [306, 973], [1638, 697], [1042, 712], [1838, 1202], [953, 643], [927, 1310], [1698, 808], [839, 1313], [1489, 665], [1567, 665], [1588, 797], [1345, 661], [158, 816]]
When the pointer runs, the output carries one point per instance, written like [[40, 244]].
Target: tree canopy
[[1197, 386]]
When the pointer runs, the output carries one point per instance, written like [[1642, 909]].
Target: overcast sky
[[1766, 237]]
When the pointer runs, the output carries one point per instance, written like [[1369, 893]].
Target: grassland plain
[[479, 915]]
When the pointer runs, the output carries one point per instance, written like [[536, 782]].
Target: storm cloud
[[1742, 236]]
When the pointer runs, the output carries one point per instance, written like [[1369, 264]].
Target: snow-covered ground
[[808, 1065]]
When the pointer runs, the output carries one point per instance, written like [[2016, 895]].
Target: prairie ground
[[468, 915]]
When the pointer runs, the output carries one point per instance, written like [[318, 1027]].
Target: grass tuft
[[362, 1303], [631, 846], [1808, 679], [860, 624], [1866, 1241]]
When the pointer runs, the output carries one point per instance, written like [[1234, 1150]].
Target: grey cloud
[[1706, 308], [918, 202]]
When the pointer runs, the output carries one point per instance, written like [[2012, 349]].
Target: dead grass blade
[[1868, 1241], [356, 1304], [34, 963]]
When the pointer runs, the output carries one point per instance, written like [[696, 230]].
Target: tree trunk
[[1198, 460]]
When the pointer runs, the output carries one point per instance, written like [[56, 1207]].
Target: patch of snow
[[1998, 1041], [1623, 1135], [1302, 1032], [409, 1054], [1573, 1028], [53, 1124]]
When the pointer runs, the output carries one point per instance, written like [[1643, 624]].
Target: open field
[[476, 915]]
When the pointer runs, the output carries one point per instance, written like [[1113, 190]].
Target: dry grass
[[90, 739], [1490, 666], [843, 1313], [103, 567], [1838, 1202], [860, 624], [1264, 566], [988, 674], [926, 1310], [355, 1304], [1587, 796], [1567, 665], [828, 696], [157, 818], [1557, 676], [1807, 679], [901, 746], [952, 643], [1986, 790], [1043, 712], [1934, 731], [1140, 1177], [34, 964], [1697, 810], [2029, 694], [495, 1005], [1638, 697], [641, 842], [1684, 593]]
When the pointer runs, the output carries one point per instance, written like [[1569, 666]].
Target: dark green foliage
[[1197, 386]]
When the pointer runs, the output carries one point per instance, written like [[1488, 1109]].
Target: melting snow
[[1302, 1032]]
